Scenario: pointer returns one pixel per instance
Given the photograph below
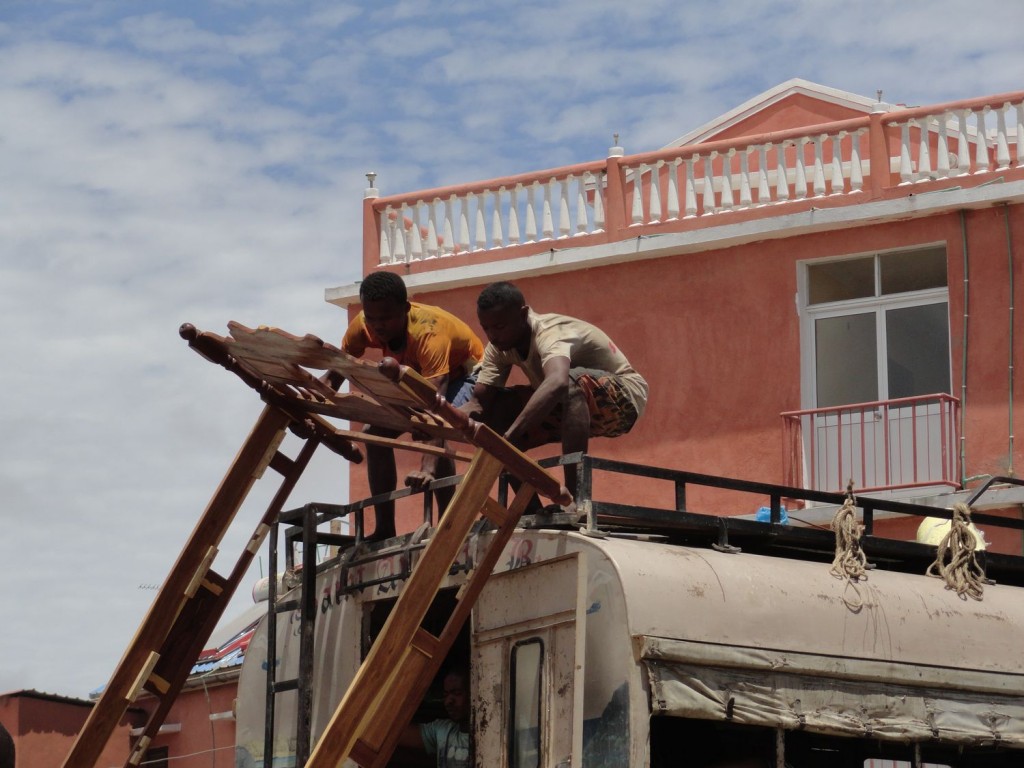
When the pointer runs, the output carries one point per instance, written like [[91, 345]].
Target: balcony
[[877, 157], [884, 445]]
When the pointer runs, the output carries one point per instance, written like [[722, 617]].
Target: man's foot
[[551, 515]]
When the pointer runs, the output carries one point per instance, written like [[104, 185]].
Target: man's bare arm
[[550, 393]]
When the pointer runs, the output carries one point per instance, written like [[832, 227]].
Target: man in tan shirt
[[581, 385]]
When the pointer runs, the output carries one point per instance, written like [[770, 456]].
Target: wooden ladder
[[193, 597], [405, 658]]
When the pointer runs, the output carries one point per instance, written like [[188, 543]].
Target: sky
[[202, 162]]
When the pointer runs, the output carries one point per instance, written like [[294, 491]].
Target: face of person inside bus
[[456, 697], [387, 321]]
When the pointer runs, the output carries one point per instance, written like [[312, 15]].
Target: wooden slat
[[187, 640], [467, 597], [425, 643], [405, 445], [153, 631], [363, 753], [404, 658], [521, 465], [270, 357], [394, 700], [274, 344], [496, 513], [145, 670], [139, 750], [349, 722], [200, 573], [483, 568], [278, 353], [355, 406], [481, 435]]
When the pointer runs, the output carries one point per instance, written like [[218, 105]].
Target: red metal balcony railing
[[877, 156], [909, 442]]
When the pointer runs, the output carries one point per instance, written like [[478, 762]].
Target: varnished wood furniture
[[294, 377]]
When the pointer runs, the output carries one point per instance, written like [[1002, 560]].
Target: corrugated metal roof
[[229, 642]]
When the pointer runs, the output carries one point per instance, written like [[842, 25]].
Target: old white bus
[[665, 638]]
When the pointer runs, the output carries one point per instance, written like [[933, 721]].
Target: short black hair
[[455, 669], [378, 286], [500, 295]]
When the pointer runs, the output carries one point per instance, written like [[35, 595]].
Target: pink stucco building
[[818, 286], [198, 729], [43, 726]]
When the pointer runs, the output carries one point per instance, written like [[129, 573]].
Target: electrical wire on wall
[[1009, 259], [213, 729], [963, 362], [1013, 289]]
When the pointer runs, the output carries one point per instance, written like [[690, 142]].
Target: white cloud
[[332, 15], [410, 41]]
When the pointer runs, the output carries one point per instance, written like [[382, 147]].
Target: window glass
[[846, 359], [524, 739], [899, 272], [841, 280], [912, 270], [917, 344]]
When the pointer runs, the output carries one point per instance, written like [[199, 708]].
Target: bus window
[[525, 702]]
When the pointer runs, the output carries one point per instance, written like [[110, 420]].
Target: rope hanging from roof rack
[[849, 562], [955, 561]]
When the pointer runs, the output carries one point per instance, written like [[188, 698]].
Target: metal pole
[[304, 718], [268, 725]]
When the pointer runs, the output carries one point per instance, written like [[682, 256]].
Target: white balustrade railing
[[744, 176], [489, 217], [956, 140], [606, 200]]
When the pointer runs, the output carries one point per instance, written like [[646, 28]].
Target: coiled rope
[[849, 562], [955, 561]]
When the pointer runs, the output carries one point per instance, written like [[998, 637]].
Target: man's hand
[[418, 479], [472, 409], [480, 399]]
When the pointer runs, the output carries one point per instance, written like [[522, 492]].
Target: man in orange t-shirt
[[434, 343]]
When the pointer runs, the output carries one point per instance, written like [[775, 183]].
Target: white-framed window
[[875, 327], [874, 330]]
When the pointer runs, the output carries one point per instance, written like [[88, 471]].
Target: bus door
[[528, 632]]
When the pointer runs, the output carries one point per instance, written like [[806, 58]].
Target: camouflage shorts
[[611, 411]]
